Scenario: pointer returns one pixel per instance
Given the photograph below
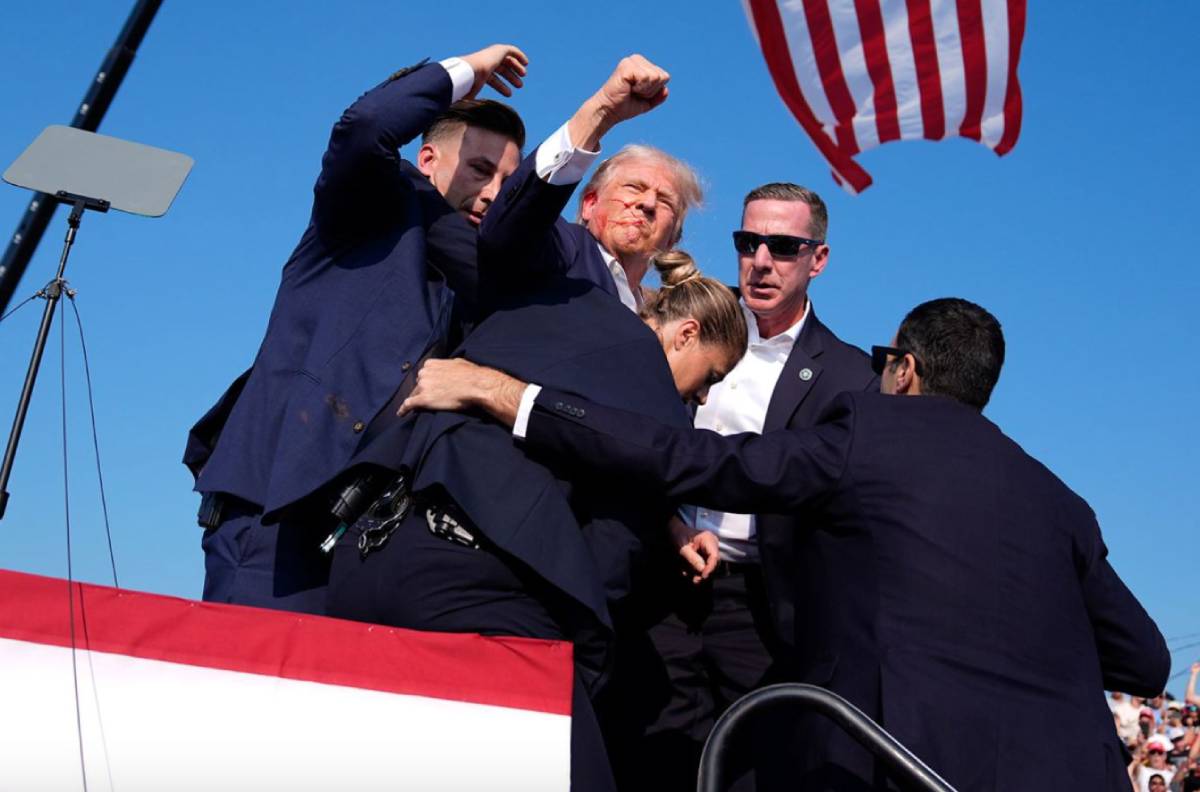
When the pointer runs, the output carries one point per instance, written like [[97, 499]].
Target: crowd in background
[[1163, 734]]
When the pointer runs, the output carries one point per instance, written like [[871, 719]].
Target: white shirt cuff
[[687, 514], [558, 162], [462, 76], [524, 409]]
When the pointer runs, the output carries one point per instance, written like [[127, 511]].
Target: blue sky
[[1079, 240]]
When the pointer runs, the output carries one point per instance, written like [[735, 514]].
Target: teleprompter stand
[[85, 171]]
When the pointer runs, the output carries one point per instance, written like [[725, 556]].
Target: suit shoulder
[[1050, 484], [842, 350]]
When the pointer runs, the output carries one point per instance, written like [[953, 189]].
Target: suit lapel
[[800, 374], [593, 262]]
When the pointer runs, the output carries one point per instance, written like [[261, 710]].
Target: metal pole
[[91, 112], [900, 763], [53, 292]]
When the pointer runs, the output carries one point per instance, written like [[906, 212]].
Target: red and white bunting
[[165, 693], [858, 73]]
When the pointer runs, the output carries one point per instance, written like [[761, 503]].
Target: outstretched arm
[[779, 471]]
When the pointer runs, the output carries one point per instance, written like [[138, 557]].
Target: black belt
[[216, 506], [736, 569]]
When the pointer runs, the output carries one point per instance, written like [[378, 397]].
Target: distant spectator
[[1180, 745], [1146, 721], [1125, 710], [1154, 752], [1191, 696]]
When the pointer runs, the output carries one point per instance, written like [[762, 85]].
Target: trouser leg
[[713, 648], [276, 566], [420, 581]]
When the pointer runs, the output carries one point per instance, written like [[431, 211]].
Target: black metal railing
[[899, 762]]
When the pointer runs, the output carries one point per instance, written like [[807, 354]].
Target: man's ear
[[907, 382], [687, 332], [427, 159], [587, 206], [820, 258]]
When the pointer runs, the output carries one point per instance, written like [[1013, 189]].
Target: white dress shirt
[[629, 298], [739, 404]]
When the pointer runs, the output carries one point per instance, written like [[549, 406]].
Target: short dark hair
[[483, 113], [818, 224], [960, 347]]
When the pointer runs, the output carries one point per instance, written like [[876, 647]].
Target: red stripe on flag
[[870, 25], [829, 64], [929, 76], [766, 20], [974, 50], [521, 673], [1012, 95]]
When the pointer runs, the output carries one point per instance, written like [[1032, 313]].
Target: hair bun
[[674, 267]]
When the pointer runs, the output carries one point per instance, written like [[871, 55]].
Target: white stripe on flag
[[854, 68], [995, 36], [795, 27], [950, 63], [904, 71]]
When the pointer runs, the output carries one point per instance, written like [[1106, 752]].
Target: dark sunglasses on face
[[879, 356], [782, 245]]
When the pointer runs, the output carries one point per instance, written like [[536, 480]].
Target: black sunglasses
[[783, 245], [879, 356]]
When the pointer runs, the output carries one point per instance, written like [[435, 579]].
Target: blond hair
[[686, 293]]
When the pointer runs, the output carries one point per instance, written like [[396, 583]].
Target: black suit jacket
[[953, 588]]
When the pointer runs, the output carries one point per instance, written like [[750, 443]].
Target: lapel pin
[[806, 374]]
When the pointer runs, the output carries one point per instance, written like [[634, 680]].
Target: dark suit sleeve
[[1133, 655], [522, 239], [450, 241], [360, 179], [774, 472]]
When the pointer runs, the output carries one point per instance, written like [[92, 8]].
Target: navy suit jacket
[[798, 401], [580, 532], [356, 308], [524, 243], [950, 586]]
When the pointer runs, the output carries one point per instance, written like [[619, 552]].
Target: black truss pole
[[91, 112]]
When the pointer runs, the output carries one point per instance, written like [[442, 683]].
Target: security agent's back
[[958, 583], [955, 590]]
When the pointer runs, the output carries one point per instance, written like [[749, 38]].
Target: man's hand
[[635, 87], [495, 64], [458, 384], [698, 549]]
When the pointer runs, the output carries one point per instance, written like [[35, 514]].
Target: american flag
[[858, 73]]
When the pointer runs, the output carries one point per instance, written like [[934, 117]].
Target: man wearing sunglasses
[[948, 584], [717, 641]]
